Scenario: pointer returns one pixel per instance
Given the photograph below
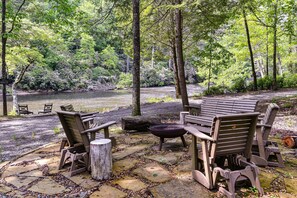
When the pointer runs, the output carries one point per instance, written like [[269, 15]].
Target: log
[[290, 141], [101, 159], [139, 123]]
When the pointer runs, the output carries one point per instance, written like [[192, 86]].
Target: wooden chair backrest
[[73, 126], [233, 134], [268, 119], [68, 107], [23, 108], [48, 107], [215, 106]]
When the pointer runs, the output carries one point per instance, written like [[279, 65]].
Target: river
[[96, 100]]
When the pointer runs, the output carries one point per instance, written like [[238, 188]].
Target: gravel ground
[[22, 135]]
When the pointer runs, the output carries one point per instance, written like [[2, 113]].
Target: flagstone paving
[[139, 170]]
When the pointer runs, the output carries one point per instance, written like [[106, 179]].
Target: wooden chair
[[226, 153], [23, 109], [47, 108], [79, 141], [266, 152]]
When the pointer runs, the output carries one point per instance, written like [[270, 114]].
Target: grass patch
[[57, 130], [157, 100]]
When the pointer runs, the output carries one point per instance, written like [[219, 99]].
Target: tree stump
[[101, 159], [139, 123]]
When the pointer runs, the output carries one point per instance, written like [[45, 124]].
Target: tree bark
[[180, 58], [136, 60], [267, 52], [274, 83], [101, 159], [3, 56], [175, 70], [250, 49]]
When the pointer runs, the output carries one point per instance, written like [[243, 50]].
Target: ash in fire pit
[[168, 131]]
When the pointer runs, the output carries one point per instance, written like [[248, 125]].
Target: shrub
[[290, 81], [265, 83], [125, 80], [238, 85], [214, 90]]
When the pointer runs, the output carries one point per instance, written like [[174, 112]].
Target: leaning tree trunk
[[14, 97], [180, 58], [267, 52], [175, 70], [250, 49], [136, 60]]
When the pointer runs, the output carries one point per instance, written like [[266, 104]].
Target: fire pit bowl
[[168, 131]]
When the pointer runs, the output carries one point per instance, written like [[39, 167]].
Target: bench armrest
[[264, 125], [198, 134]]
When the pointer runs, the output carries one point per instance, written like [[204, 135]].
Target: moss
[[266, 179], [291, 186]]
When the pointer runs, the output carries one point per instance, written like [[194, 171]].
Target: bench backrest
[[48, 107], [68, 107], [23, 108], [213, 107]]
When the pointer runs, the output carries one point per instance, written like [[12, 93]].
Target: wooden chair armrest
[[88, 114], [97, 128], [87, 119], [198, 134]]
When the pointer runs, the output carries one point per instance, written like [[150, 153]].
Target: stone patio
[[139, 170]]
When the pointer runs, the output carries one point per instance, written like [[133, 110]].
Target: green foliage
[[290, 81], [97, 72], [214, 90], [239, 85], [125, 80], [265, 83], [109, 59]]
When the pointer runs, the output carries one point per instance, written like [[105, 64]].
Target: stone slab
[[168, 158], [83, 179], [46, 161], [20, 181], [179, 189], [4, 189], [27, 158], [129, 151], [14, 170], [2, 164], [50, 148], [185, 166], [123, 165], [130, 183], [153, 172], [48, 186], [17, 194], [108, 191]]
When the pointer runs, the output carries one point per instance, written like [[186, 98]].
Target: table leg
[[161, 141], [183, 140]]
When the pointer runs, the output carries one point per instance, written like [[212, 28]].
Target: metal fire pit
[[168, 131]]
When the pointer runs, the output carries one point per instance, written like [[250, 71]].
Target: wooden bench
[[202, 115], [47, 108], [23, 109]]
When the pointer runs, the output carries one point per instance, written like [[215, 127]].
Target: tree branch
[[15, 16]]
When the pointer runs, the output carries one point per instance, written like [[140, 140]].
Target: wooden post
[[101, 160]]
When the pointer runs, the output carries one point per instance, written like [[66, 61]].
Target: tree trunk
[[274, 83], [136, 60], [280, 69], [180, 58], [14, 97], [3, 56], [267, 52], [127, 64], [175, 70], [250, 49]]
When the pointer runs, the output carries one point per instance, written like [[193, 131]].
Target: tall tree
[[3, 56], [136, 59], [179, 55], [250, 48]]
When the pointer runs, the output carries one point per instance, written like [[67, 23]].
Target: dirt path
[[21, 135]]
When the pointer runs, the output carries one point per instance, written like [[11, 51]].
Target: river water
[[96, 100]]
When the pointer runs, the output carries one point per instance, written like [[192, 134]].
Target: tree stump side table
[[101, 159]]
